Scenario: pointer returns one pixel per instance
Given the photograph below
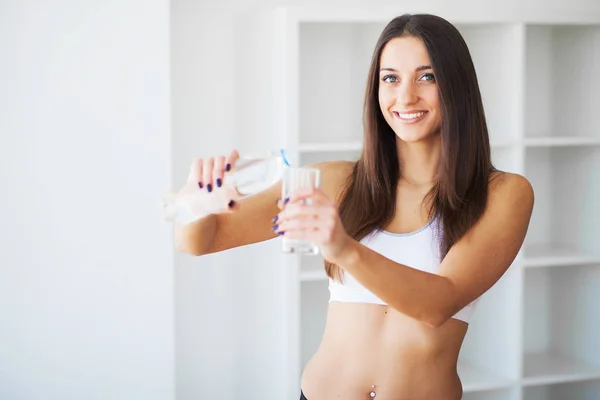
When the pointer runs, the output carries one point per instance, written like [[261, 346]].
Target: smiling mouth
[[409, 118]]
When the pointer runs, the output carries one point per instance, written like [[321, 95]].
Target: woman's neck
[[419, 161]]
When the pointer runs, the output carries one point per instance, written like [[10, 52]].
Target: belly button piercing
[[372, 394]]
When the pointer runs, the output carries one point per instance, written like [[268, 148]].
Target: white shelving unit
[[536, 334]]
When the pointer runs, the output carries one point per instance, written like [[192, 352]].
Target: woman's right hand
[[209, 174]]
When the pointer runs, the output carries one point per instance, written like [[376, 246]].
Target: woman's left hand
[[310, 214]]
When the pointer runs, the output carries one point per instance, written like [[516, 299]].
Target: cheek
[[432, 99], [385, 99], [435, 104]]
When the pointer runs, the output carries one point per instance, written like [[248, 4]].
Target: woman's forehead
[[405, 53]]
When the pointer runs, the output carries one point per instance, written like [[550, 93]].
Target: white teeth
[[411, 116]]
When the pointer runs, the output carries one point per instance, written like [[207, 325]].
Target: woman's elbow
[[188, 247], [435, 319], [438, 315], [182, 248]]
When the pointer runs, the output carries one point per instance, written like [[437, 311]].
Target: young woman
[[413, 233]]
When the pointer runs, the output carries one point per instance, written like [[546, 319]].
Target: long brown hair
[[367, 200]]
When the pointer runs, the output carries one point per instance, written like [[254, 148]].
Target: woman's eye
[[428, 77], [390, 79]]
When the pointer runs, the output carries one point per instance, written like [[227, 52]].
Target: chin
[[414, 136]]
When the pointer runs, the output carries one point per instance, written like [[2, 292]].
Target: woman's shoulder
[[503, 185], [334, 174]]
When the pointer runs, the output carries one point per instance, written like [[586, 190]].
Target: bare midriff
[[366, 345]]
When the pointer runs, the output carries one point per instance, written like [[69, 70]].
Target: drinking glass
[[292, 180]]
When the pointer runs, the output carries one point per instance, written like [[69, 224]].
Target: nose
[[407, 94]]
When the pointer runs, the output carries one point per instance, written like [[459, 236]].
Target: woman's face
[[408, 93]]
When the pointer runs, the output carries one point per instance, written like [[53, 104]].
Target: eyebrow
[[421, 68]]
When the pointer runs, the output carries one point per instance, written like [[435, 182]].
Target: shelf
[[327, 152], [502, 106], [555, 102], [478, 379], [357, 146], [500, 394], [554, 256], [502, 144], [562, 141], [584, 390], [325, 147], [567, 192], [546, 368], [330, 108], [560, 324]]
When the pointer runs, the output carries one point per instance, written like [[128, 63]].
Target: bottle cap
[[285, 160]]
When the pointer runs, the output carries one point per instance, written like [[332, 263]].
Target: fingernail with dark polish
[[274, 227], [275, 219], [200, 185], [231, 203], [219, 182], [280, 233], [287, 199], [228, 167], [209, 188]]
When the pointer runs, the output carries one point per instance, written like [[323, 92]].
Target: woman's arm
[[240, 222], [473, 265], [250, 223], [252, 219]]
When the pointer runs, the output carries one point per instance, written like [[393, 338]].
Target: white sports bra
[[417, 249]]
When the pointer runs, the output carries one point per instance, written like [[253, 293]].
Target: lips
[[410, 116]]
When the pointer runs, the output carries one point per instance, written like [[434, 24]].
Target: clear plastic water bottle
[[249, 176]]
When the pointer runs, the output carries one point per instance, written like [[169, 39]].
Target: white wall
[[228, 316], [86, 264]]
